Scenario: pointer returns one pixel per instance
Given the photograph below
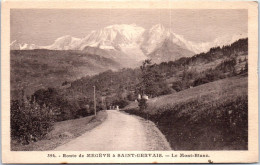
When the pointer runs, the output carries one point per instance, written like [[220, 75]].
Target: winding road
[[119, 132]]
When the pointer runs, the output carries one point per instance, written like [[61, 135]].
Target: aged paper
[[55, 60]]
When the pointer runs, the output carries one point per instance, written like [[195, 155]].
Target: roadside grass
[[62, 133], [213, 116]]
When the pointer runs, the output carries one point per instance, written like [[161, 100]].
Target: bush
[[200, 81], [177, 86], [131, 97], [142, 103], [66, 108], [83, 112], [30, 121], [121, 103]]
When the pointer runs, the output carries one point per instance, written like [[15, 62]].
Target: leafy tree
[[152, 82]]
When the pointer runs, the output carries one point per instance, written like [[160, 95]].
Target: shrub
[[142, 103], [30, 121], [131, 97], [177, 86], [201, 80], [121, 103], [66, 108]]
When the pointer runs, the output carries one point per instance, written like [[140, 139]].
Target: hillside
[[70, 70], [194, 118], [35, 69], [169, 52], [180, 74]]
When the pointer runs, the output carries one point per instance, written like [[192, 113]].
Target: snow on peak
[[113, 36], [63, 43], [128, 37], [154, 37]]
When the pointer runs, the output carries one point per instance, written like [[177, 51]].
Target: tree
[[144, 83], [152, 83], [144, 76]]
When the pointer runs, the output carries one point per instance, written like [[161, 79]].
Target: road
[[119, 132]]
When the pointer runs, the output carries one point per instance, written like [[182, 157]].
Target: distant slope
[[34, 69], [127, 60], [169, 52], [186, 72]]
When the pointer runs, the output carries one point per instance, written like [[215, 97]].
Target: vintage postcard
[[129, 82]]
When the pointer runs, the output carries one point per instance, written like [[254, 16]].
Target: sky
[[43, 26]]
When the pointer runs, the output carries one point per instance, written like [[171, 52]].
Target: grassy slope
[[62, 133], [206, 117]]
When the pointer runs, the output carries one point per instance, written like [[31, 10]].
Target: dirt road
[[119, 132]]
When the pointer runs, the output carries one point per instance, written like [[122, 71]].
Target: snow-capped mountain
[[153, 38], [124, 37], [134, 42], [63, 43], [112, 37]]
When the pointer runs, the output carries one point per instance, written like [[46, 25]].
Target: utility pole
[[95, 109]]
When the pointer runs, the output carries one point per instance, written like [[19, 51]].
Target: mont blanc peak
[[153, 38], [131, 38], [113, 37]]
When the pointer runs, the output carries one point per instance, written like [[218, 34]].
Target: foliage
[[226, 52], [223, 70], [152, 83], [142, 103], [30, 121], [121, 103], [62, 133], [65, 109], [227, 65]]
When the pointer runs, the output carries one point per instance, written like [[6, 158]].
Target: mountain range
[[130, 44]]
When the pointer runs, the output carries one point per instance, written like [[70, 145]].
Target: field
[[212, 116], [62, 133]]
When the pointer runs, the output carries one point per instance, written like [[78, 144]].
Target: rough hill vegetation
[[212, 116]]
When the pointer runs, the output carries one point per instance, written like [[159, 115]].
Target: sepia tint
[[170, 80]]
